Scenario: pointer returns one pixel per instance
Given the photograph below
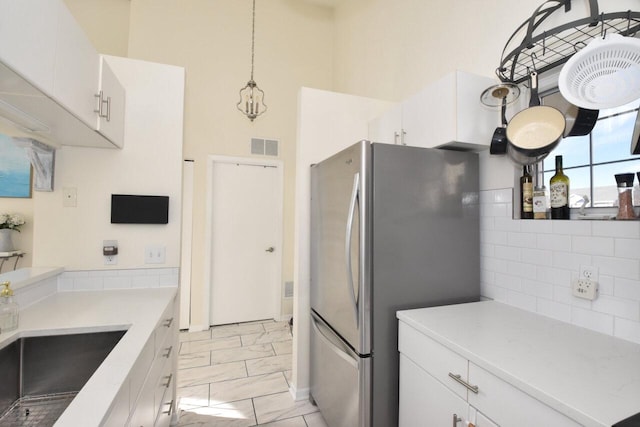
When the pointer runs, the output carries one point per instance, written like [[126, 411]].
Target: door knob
[[270, 249]]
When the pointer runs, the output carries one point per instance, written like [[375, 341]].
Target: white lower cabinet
[[150, 388], [438, 387]]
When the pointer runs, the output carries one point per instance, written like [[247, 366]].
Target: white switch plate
[[69, 197], [154, 254]]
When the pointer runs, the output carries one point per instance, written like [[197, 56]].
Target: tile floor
[[238, 376]]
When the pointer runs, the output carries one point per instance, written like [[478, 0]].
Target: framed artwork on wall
[[15, 170]]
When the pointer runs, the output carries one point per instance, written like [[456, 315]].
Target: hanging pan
[[579, 121], [534, 131], [604, 74], [500, 96]]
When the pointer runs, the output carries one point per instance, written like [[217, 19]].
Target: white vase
[[6, 244]]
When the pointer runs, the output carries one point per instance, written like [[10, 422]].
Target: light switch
[[69, 197], [154, 254]]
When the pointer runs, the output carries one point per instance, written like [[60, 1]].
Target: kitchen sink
[[40, 376]]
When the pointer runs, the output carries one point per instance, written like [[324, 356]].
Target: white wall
[[149, 163], [327, 123]]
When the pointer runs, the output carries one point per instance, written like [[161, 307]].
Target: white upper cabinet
[[27, 40], [110, 105], [446, 113], [50, 74], [77, 69]]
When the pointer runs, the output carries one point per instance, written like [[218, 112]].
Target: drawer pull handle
[[168, 377], [170, 407], [168, 353], [168, 322], [456, 420], [458, 378]]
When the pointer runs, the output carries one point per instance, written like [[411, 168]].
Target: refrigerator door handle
[[342, 353], [352, 208]]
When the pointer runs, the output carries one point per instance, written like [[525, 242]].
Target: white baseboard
[[302, 394]]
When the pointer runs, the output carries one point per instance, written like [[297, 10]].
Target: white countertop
[[27, 276], [135, 310], [590, 377]]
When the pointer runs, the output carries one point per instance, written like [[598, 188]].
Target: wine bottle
[[526, 194], [559, 192]]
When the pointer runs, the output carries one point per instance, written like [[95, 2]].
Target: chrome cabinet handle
[[456, 420], [168, 377], [270, 249], [168, 322], [404, 133], [168, 353], [396, 135], [458, 378], [170, 407]]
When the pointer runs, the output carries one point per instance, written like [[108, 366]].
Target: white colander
[[605, 74]]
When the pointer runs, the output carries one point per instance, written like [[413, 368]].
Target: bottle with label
[[526, 194], [540, 203], [8, 309], [559, 192]]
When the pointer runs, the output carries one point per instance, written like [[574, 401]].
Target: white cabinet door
[[27, 40], [482, 421], [110, 121], [425, 402], [388, 127], [76, 71]]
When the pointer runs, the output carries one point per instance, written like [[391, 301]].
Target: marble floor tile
[[193, 396], [194, 360], [315, 420], [242, 353], [272, 326], [289, 422], [236, 329], [195, 336], [210, 374], [231, 414], [207, 345], [267, 365], [246, 388], [287, 375], [266, 337], [283, 347], [280, 406]]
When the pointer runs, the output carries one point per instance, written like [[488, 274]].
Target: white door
[[245, 259]]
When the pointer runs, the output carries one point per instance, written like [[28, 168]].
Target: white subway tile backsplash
[[618, 267], [530, 264], [554, 310], [88, 284], [554, 242], [618, 307], [571, 227], [627, 289], [118, 279], [118, 282], [589, 319], [145, 282], [592, 245], [627, 248], [630, 230]]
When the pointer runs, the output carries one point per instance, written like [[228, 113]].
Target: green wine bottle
[[526, 194], [559, 192]]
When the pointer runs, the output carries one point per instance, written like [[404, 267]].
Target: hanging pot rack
[[552, 47]]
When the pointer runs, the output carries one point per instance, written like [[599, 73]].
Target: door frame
[[211, 162]]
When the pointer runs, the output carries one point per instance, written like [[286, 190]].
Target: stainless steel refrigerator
[[392, 228]]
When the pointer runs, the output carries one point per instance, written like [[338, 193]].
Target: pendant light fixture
[[251, 102]]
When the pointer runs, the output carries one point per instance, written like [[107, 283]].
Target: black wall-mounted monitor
[[134, 209]]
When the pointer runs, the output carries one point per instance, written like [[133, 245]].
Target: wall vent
[[288, 289], [264, 147]]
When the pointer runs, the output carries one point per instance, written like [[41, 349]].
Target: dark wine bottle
[[559, 192], [526, 194]]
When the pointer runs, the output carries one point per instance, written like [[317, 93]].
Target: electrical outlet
[[110, 259], [588, 272], [585, 288]]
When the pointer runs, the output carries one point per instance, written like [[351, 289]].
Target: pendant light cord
[[253, 32]]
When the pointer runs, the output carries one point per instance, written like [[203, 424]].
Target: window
[[591, 161]]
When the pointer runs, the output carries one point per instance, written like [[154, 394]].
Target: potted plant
[[9, 222]]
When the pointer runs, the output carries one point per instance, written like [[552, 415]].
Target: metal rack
[[4, 256], [553, 47]]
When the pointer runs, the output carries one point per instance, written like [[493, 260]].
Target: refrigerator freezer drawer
[[340, 380]]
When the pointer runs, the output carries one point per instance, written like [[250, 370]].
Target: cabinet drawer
[[522, 409], [434, 358], [140, 369]]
